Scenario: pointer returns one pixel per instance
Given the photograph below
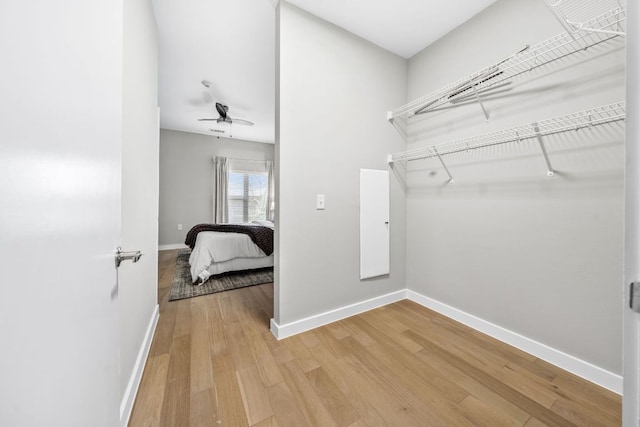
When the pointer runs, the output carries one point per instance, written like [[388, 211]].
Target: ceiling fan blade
[[222, 110], [207, 120], [242, 122]]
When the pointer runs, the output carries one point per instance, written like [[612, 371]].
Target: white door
[[631, 319], [60, 145], [374, 223]]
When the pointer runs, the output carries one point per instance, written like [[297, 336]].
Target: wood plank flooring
[[214, 362]]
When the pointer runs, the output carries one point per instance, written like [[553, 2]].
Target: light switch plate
[[320, 202]]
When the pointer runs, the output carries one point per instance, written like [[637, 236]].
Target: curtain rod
[[249, 160], [244, 160]]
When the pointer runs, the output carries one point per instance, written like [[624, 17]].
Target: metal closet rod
[[574, 121]]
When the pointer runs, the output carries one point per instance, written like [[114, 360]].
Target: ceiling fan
[[224, 117]]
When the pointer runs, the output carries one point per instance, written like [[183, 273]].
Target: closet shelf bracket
[[536, 129], [484, 110], [399, 127], [446, 169]]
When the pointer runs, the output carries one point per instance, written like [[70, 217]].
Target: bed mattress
[[216, 253]]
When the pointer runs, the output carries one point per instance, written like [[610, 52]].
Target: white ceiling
[[232, 44], [404, 27]]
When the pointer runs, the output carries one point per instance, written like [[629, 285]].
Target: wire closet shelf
[[570, 122], [574, 15], [581, 34]]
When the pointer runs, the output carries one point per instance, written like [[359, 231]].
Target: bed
[[222, 248]]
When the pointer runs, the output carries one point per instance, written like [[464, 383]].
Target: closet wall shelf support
[[484, 110], [590, 32], [537, 130], [544, 149], [397, 127], [446, 169]]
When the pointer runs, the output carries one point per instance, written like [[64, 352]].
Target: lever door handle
[[634, 297], [133, 256]]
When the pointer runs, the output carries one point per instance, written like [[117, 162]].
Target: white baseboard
[[565, 361], [171, 247], [293, 328], [134, 381]]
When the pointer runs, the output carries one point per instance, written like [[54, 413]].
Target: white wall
[[186, 177], [138, 282], [539, 256], [333, 90]]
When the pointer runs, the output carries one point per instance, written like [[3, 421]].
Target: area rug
[[182, 288]]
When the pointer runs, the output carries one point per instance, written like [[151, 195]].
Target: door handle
[[134, 256], [634, 297]]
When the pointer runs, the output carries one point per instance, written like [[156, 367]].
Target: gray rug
[[182, 288]]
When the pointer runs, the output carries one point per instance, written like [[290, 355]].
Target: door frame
[[631, 320]]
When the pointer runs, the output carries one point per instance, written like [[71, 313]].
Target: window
[[247, 196]]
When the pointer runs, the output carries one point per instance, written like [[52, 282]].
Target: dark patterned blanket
[[261, 236]]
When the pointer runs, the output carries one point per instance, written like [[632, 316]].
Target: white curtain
[[220, 184], [271, 192]]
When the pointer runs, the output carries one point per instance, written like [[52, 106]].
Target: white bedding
[[237, 264], [219, 252]]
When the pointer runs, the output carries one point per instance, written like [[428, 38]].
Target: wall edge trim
[[567, 362], [579, 367], [126, 406], [281, 331]]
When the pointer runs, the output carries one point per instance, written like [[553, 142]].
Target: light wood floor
[[213, 362]]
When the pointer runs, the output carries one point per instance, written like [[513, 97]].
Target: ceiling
[[404, 27], [232, 44]]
